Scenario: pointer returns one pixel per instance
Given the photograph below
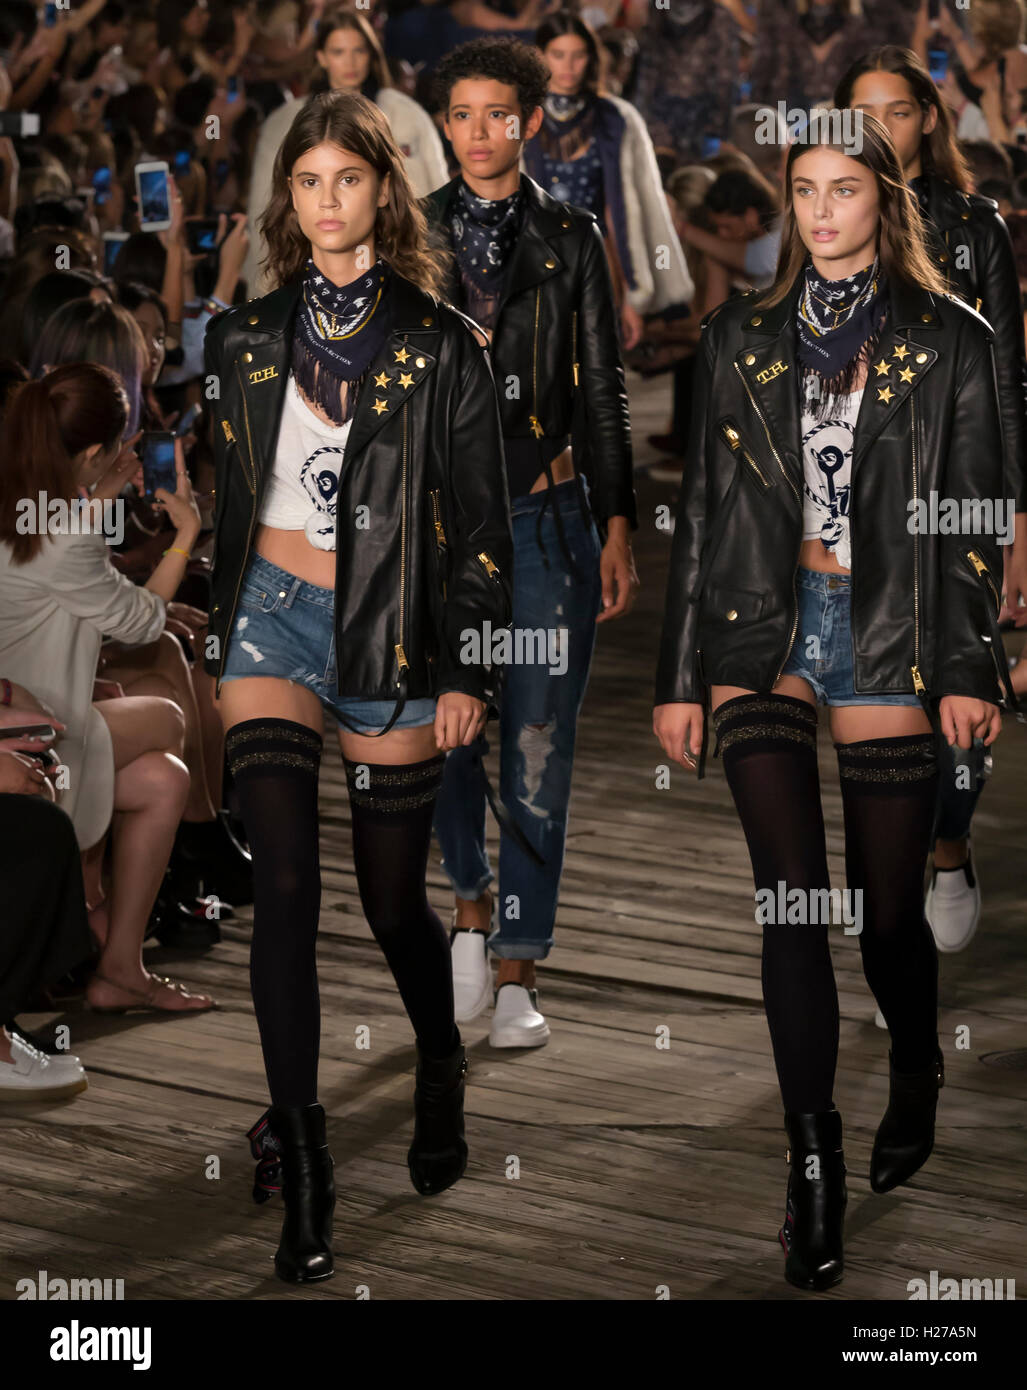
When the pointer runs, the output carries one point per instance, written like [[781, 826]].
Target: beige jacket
[[54, 611]]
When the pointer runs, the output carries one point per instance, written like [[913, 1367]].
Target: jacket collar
[[767, 362], [262, 360], [537, 256]]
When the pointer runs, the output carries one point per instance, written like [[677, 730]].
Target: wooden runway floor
[[602, 1166]]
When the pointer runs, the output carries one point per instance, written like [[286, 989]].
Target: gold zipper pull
[[229, 436], [575, 373], [491, 569], [401, 659], [733, 438], [977, 562], [918, 681], [440, 534], [536, 428]]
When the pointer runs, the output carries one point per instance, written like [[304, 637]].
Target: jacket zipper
[[766, 431], [491, 568], [574, 345], [440, 534], [401, 658], [536, 427], [919, 684], [231, 439], [734, 442], [982, 570]]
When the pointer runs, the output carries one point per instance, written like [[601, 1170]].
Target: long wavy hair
[[378, 73], [350, 121], [563, 24], [939, 152], [901, 241]]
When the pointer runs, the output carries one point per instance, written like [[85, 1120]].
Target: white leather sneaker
[[32, 1075], [516, 1021], [472, 974], [953, 906]]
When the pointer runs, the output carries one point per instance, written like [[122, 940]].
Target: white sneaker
[[472, 975], [516, 1021], [32, 1075], [953, 906]]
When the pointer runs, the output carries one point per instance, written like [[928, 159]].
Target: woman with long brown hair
[[350, 58], [362, 528], [829, 408], [971, 248]]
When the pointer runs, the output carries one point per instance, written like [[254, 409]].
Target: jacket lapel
[[767, 366], [900, 364], [406, 359], [535, 258]]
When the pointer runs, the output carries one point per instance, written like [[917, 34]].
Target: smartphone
[[50, 16], [202, 235], [233, 87], [938, 63], [710, 146], [183, 163], [112, 243], [30, 731], [154, 194], [102, 184], [158, 449], [187, 421]]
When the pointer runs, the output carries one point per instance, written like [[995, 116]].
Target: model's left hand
[[459, 719], [617, 571], [964, 719]]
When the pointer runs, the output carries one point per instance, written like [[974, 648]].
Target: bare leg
[[151, 784]]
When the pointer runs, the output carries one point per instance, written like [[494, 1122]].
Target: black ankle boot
[[438, 1155], [906, 1135], [308, 1191], [812, 1232]]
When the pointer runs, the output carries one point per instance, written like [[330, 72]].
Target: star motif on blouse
[[402, 355], [882, 368], [907, 374], [382, 381], [380, 407], [901, 352], [405, 380], [885, 395]]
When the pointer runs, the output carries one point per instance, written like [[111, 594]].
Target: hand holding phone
[[158, 451], [180, 504], [153, 191]]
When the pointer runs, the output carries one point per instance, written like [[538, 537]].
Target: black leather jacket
[[971, 247], [556, 333], [924, 606], [424, 457]]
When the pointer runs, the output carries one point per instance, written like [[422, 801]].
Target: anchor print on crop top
[[826, 466], [303, 497]]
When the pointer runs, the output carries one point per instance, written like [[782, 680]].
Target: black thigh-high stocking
[[274, 765], [392, 807], [889, 786], [768, 747]]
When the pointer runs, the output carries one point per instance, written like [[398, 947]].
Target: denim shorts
[[285, 627], [822, 651]]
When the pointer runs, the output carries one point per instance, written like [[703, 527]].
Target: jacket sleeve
[[480, 513], [1000, 305], [677, 674], [602, 381], [966, 623], [86, 584]]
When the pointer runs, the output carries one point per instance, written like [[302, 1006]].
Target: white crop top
[[826, 466], [304, 482]]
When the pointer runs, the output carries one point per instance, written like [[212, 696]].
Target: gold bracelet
[[179, 551]]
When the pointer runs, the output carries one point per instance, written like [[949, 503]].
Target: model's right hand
[[678, 726]]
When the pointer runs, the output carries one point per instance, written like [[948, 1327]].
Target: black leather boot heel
[[438, 1155], [812, 1232], [308, 1191], [906, 1135]]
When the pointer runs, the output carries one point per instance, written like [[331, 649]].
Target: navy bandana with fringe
[[338, 333]]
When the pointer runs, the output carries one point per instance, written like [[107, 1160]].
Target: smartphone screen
[[158, 461], [187, 421], [50, 16], [233, 88], [710, 146], [202, 235], [938, 63], [102, 184], [154, 202], [112, 243]]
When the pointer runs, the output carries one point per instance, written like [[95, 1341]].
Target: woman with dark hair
[[350, 58], [362, 529], [593, 150], [828, 409], [970, 245], [107, 334], [49, 294], [63, 441]]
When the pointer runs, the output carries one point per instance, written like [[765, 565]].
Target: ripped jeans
[[537, 726]]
